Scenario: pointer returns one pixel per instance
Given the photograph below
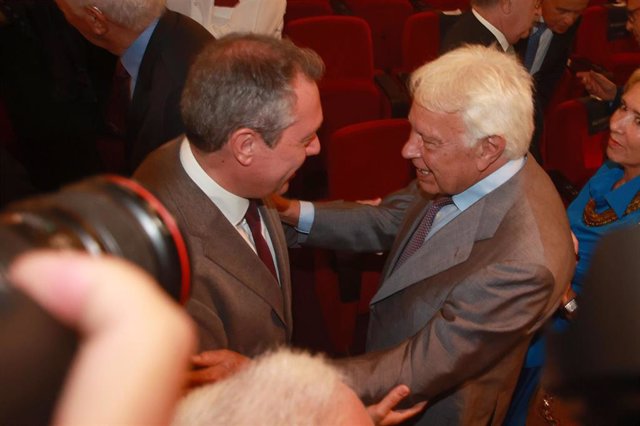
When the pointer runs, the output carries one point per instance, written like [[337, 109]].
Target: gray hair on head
[[244, 80]]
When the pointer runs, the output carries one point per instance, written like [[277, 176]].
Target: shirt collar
[[619, 198], [132, 57], [231, 206], [480, 189], [504, 44]]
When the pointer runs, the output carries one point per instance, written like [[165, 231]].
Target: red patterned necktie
[[262, 248], [119, 99], [421, 232], [226, 3]]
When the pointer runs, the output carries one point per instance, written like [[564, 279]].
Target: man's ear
[[490, 149], [97, 21], [243, 143]]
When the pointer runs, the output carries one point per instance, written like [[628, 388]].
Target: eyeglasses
[[631, 14]]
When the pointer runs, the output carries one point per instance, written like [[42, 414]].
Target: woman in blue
[[610, 200]]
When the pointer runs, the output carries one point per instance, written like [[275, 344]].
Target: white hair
[[490, 89], [278, 388], [132, 14]]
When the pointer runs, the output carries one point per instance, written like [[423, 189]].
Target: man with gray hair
[[499, 22], [155, 47], [480, 248], [251, 108]]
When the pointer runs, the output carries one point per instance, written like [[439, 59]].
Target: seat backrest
[[297, 9], [364, 160], [386, 18], [343, 42], [602, 33], [576, 133], [420, 40], [448, 4], [623, 65]]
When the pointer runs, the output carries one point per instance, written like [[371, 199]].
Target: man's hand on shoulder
[[211, 366], [383, 413], [289, 210]]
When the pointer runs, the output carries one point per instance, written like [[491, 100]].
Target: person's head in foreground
[[279, 388]]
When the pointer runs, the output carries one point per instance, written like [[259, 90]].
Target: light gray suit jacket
[[454, 321], [235, 300]]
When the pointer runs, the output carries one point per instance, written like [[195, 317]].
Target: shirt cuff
[[307, 215]]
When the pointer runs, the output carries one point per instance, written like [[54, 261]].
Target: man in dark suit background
[[555, 30], [489, 22], [545, 53], [155, 47]]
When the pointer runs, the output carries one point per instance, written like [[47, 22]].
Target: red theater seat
[[602, 35], [576, 134], [386, 19], [348, 91], [297, 9], [364, 162], [349, 94]]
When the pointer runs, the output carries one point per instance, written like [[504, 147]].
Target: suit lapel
[[232, 253], [222, 244], [274, 226], [452, 244]]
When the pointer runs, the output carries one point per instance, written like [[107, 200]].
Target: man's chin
[[428, 188]]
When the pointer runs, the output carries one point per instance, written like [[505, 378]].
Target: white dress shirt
[[506, 47], [232, 206], [255, 16]]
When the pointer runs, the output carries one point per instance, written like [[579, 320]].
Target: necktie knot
[[439, 203], [252, 216]]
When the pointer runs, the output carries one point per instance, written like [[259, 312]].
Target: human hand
[[598, 85], [212, 366], [135, 341], [383, 414], [372, 202], [289, 210]]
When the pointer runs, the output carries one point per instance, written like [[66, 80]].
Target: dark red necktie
[[226, 3], [262, 248], [118, 103], [421, 232]]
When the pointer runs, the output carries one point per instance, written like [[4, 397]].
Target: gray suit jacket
[[235, 300], [454, 321]]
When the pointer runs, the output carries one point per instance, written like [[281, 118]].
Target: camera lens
[[106, 214], [102, 215]]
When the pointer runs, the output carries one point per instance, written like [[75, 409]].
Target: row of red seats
[[386, 19], [575, 135]]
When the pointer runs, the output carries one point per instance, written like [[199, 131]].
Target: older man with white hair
[[480, 248]]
